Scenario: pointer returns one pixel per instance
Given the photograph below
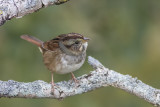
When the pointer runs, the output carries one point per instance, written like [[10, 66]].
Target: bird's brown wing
[[51, 59], [51, 54]]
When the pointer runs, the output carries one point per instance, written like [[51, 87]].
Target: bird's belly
[[69, 64]]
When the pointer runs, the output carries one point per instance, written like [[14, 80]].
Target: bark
[[100, 77]]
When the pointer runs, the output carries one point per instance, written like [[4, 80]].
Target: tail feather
[[32, 39]]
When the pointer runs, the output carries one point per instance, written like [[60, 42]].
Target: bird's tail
[[32, 39]]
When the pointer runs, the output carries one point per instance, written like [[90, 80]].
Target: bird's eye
[[76, 42]]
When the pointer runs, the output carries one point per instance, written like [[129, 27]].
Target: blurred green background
[[125, 37]]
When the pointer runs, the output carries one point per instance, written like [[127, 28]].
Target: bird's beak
[[86, 39]]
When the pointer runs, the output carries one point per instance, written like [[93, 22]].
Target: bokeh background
[[125, 37]]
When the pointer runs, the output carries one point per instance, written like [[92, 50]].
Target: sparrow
[[63, 54]]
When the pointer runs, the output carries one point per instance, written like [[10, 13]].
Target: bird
[[63, 54]]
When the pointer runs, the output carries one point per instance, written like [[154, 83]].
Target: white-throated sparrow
[[63, 54]]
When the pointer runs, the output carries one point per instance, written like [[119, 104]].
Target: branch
[[100, 77], [18, 8]]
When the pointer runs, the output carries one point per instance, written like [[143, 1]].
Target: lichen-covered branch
[[18, 8], [100, 77]]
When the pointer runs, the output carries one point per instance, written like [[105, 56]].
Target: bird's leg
[[74, 78], [52, 83]]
